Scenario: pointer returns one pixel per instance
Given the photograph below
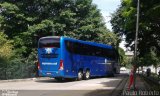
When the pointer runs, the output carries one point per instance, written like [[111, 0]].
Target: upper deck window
[[90, 50]]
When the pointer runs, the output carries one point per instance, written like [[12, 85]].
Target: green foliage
[[150, 58], [19, 67], [124, 23], [5, 48], [25, 21], [109, 38], [122, 57]]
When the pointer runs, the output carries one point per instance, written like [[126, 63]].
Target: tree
[[154, 58], [124, 23], [109, 38], [26, 21], [6, 51], [122, 57]]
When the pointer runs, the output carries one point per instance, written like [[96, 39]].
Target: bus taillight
[[61, 65]]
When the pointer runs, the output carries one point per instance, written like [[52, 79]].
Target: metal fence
[[17, 71]]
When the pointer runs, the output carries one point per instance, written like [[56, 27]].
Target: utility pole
[[135, 50]]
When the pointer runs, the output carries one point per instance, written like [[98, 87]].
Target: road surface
[[94, 87]]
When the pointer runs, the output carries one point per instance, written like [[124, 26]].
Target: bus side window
[[80, 49], [69, 46], [75, 48], [92, 51], [72, 47]]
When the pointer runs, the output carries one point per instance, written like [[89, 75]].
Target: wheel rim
[[87, 74], [79, 75]]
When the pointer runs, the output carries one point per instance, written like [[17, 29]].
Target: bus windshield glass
[[49, 42]]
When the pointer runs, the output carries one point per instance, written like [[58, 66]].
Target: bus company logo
[[48, 50]]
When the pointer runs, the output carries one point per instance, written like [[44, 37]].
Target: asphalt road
[[50, 87]]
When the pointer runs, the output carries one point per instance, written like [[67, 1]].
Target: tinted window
[[83, 49], [69, 46], [49, 42]]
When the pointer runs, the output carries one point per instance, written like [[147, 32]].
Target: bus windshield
[[49, 42]]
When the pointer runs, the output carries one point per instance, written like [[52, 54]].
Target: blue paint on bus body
[[75, 55]]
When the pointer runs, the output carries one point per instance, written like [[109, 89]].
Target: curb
[[27, 79], [119, 86], [125, 87]]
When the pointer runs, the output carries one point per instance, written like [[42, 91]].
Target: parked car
[[123, 69]]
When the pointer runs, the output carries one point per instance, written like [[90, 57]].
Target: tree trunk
[[142, 69], [155, 69]]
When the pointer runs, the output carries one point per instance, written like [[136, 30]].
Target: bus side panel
[[96, 65], [102, 67], [70, 64], [110, 67], [88, 64], [100, 62]]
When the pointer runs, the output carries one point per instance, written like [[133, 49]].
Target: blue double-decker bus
[[63, 57]]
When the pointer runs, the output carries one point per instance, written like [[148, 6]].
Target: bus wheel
[[87, 75], [80, 75]]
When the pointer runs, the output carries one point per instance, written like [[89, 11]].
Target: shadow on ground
[[52, 80], [111, 85]]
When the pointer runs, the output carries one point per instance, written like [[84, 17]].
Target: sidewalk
[[142, 89], [25, 79]]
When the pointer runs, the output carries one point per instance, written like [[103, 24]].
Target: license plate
[[48, 73]]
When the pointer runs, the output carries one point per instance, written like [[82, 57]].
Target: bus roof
[[88, 42], [50, 37], [80, 41]]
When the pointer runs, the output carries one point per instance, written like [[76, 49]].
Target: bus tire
[[80, 75], [87, 75]]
